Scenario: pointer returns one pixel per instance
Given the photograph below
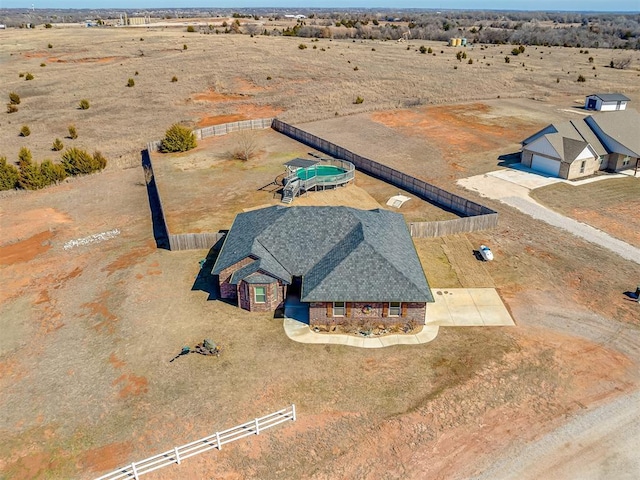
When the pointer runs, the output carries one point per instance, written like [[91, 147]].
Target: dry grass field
[[610, 205], [87, 332]]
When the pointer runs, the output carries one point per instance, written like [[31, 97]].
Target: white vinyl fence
[[177, 454]]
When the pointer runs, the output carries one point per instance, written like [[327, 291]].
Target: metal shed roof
[[301, 163]]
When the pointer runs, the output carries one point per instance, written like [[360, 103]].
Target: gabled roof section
[[587, 134], [239, 241], [572, 148], [623, 126], [570, 138], [548, 129], [610, 97], [342, 254]]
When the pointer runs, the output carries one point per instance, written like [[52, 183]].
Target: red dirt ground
[[456, 130], [99, 309], [26, 250], [132, 385], [107, 457]]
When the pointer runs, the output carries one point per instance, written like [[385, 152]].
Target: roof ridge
[[257, 240]]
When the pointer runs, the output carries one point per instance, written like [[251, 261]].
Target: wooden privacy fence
[[193, 241], [205, 240], [223, 129], [451, 227], [477, 217], [177, 454]]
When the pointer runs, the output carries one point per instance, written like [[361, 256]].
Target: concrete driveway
[[515, 193]]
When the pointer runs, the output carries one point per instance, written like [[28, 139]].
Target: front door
[[591, 105]]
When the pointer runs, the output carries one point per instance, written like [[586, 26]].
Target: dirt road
[[601, 443]]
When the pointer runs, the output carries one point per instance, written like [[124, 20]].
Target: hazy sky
[[564, 5]]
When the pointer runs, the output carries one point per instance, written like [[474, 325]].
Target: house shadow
[[478, 255], [508, 159], [205, 281], [633, 296]]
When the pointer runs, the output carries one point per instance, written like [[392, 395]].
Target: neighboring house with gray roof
[[346, 264], [579, 148], [606, 102]]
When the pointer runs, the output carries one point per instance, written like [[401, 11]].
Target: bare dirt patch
[[106, 457], [25, 250]]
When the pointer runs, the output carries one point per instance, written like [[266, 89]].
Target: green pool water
[[319, 170]]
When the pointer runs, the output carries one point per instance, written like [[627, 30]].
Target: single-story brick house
[[578, 148], [348, 265]]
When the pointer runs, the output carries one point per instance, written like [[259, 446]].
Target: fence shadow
[[160, 233], [205, 281]]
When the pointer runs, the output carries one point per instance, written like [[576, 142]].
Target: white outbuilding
[[606, 102]]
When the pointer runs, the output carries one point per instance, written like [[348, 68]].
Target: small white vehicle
[[486, 253]]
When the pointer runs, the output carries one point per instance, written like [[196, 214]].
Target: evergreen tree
[[52, 172], [8, 175]]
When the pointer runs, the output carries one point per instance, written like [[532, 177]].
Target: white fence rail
[[177, 454]]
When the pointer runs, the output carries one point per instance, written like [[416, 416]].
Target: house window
[[626, 161], [601, 159], [260, 294], [394, 309], [582, 165], [338, 309]]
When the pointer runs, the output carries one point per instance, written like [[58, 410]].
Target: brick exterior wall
[[355, 314], [274, 296], [227, 290]]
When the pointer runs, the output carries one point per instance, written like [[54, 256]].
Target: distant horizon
[[569, 6]]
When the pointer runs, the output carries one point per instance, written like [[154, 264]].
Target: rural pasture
[[88, 332]]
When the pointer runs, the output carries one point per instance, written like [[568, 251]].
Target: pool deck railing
[[294, 185]]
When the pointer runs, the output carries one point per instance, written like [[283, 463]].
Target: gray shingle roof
[[610, 97], [623, 126], [342, 254], [301, 163], [570, 138]]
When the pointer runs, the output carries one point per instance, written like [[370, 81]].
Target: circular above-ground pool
[[319, 170]]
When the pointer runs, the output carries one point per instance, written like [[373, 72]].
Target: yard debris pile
[[207, 347]]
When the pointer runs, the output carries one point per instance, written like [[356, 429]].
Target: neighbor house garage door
[[545, 165]]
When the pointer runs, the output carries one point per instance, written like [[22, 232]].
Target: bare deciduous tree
[[246, 145]]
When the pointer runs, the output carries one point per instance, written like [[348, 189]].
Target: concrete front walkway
[[453, 307]]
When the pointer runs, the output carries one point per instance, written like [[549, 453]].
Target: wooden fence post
[[175, 449], [293, 411], [218, 439], [135, 472], [257, 427]]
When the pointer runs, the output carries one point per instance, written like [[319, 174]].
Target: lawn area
[[609, 205], [204, 189]]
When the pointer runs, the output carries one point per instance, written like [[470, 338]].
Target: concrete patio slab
[[467, 307]]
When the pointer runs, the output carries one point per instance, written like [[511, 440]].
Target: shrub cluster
[[33, 176], [178, 139], [14, 101]]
